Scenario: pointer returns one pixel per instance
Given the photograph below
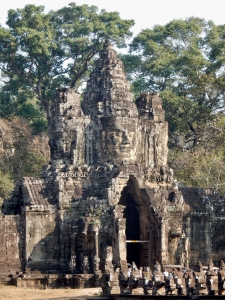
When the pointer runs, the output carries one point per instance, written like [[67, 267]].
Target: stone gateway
[[107, 199]]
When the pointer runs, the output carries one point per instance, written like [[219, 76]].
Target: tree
[[6, 185], [43, 51], [184, 62], [203, 166], [21, 152], [16, 101]]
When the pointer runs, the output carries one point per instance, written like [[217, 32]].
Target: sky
[[146, 13]]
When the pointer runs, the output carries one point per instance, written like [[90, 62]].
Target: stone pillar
[[119, 239], [96, 230], [96, 251], [73, 252], [164, 241], [122, 243]]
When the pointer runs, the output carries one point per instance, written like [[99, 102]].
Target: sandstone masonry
[[107, 197]]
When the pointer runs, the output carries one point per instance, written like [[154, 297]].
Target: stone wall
[[11, 251], [108, 197], [217, 238], [42, 241]]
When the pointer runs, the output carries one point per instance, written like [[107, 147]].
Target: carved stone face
[[119, 139]]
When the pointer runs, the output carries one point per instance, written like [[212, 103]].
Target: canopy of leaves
[[21, 153], [16, 101], [184, 62], [40, 52], [203, 166], [6, 185]]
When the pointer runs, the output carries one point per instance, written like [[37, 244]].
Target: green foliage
[[184, 62], [27, 163], [19, 101], [23, 153], [203, 166], [39, 125], [6, 185], [41, 52], [200, 168]]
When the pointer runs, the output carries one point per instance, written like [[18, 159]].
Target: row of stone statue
[[173, 280]]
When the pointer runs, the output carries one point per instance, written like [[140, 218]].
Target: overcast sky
[[146, 13]]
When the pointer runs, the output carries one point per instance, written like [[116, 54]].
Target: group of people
[[174, 279], [168, 275]]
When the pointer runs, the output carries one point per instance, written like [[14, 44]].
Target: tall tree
[[42, 51], [21, 152], [184, 62], [203, 166]]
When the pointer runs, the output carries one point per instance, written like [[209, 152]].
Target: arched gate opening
[[137, 224], [131, 215]]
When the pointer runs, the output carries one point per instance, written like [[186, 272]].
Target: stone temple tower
[[107, 197], [102, 156]]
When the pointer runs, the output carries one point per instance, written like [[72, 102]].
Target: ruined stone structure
[[107, 197]]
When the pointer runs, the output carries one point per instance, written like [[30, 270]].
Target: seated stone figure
[[170, 284], [123, 282], [200, 281], [212, 279], [135, 280], [148, 281], [157, 272], [110, 282], [180, 282], [159, 283], [190, 283]]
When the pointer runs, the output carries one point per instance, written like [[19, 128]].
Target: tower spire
[[107, 45]]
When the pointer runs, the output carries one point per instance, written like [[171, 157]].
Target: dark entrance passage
[[132, 231]]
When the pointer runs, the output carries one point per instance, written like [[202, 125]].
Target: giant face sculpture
[[119, 138]]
